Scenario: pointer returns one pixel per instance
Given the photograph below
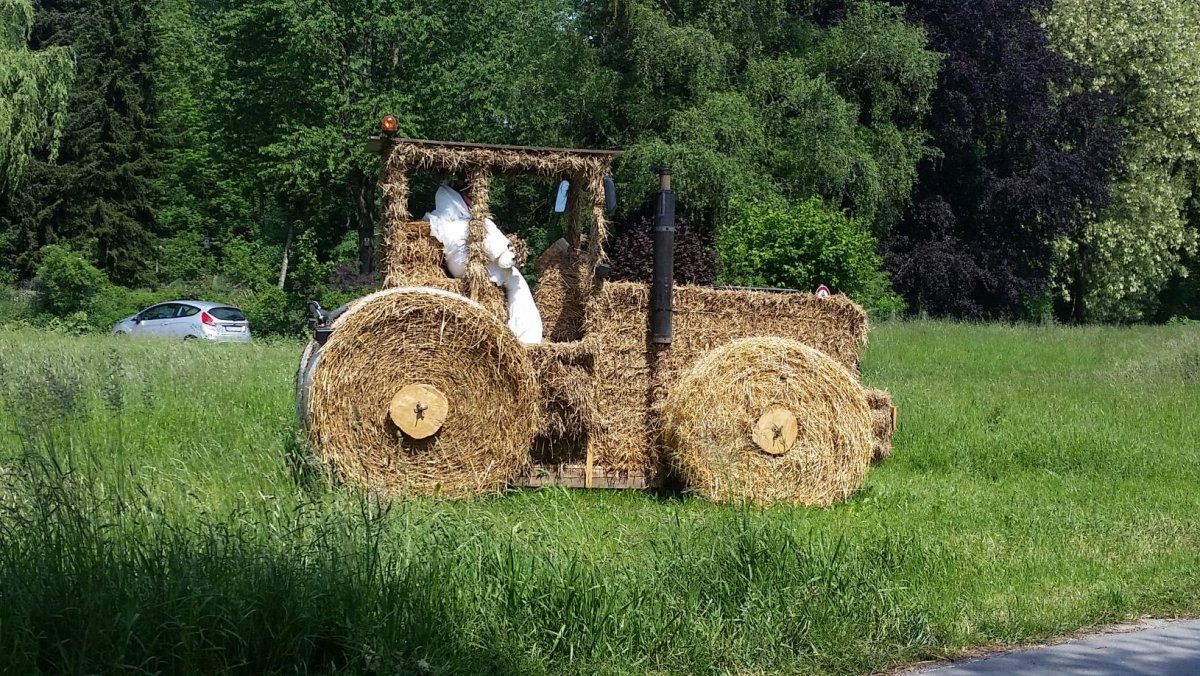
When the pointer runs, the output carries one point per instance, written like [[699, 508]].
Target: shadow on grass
[[120, 585], [103, 581]]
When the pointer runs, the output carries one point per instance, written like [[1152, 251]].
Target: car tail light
[[207, 319]]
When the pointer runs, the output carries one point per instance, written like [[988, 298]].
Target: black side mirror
[[610, 195], [317, 316]]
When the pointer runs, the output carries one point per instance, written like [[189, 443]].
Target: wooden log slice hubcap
[[775, 432], [419, 410]]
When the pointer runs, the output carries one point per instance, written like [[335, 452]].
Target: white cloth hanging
[[449, 222]]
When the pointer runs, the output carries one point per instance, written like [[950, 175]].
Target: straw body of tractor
[[634, 377], [422, 389], [606, 393]]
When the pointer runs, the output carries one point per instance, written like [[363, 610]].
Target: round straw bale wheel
[[769, 420], [420, 391]]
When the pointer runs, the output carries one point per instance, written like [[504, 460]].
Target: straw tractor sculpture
[[737, 394]]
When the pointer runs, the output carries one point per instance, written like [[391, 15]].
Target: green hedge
[[801, 245], [73, 296]]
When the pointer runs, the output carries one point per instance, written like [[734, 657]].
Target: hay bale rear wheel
[[769, 420], [420, 391]]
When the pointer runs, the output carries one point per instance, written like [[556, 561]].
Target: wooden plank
[[765, 289], [589, 470], [376, 144], [576, 476]]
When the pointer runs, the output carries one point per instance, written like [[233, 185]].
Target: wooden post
[[590, 466], [395, 215], [478, 185], [364, 193], [599, 231], [574, 200]]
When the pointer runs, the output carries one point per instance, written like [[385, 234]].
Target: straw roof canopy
[[460, 158]]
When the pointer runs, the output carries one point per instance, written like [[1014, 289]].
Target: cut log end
[[776, 430], [419, 410]]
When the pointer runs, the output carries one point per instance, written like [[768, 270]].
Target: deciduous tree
[[308, 81], [1148, 53], [1022, 161], [770, 98]]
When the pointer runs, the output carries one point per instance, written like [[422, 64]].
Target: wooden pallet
[[576, 476]]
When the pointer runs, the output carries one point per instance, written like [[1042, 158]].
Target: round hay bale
[[711, 416], [397, 338]]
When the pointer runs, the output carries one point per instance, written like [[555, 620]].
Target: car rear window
[[228, 314]]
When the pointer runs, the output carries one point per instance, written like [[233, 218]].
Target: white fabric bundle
[[449, 222]]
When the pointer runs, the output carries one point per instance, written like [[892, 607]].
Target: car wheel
[[187, 338]]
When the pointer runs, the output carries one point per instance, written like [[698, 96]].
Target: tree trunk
[[287, 250], [1078, 285], [1078, 293], [364, 193]]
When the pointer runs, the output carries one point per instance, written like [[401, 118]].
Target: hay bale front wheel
[[769, 420], [420, 391]]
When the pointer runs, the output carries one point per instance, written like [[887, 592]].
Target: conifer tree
[[96, 194]]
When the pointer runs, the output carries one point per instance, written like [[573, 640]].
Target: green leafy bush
[[183, 258], [277, 313], [273, 312], [801, 246], [250, 265], [66, 282], [308, 274], [75, 324], [116, 303]]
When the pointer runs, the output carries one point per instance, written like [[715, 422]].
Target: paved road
[[1153, 648]]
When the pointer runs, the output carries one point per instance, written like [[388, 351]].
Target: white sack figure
[[449, 222]]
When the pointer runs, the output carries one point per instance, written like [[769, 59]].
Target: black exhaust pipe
[[662, 284]]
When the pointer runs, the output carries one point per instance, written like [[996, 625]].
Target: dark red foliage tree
[[1022, 160], [632, 253]]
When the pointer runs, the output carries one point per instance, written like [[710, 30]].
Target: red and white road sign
[[822, 291]]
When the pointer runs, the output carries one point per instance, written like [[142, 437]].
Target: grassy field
[[158, 515]]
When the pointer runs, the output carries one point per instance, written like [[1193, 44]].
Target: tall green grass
[[159, 514]]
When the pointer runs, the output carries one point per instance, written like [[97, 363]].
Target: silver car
[[188, 319]]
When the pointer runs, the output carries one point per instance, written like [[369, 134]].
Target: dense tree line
[[1022, 161], [1000, 158]]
